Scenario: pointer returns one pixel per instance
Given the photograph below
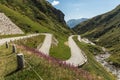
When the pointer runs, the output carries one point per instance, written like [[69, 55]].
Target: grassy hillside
[[61, 50], [92, 65], [58, 51], [34, 16], [105, 31], [32, 42], [39, 16], [37, 66]]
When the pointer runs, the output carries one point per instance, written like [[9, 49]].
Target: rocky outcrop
[[7, 26], [48, 9], [38, 15]]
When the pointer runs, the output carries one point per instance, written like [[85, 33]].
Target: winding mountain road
[[4, 40], [77, 56], [85, 40], [45, 48]]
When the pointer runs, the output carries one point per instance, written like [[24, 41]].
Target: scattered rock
[[101, 58], [7, 26]]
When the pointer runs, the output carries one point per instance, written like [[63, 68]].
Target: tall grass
[[61, 50], [47, 67], [32, 42], [92, 65]]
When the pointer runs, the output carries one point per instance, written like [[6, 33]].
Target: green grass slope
[[105, 31], [39, 16], [61, 50], [92, 65], [36, 67], [32, 42], [34, 16]]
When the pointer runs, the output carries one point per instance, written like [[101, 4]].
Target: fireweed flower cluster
[[61, 63]]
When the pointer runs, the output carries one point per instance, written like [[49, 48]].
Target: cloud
[[54, 3]]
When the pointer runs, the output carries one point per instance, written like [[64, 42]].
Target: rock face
[[39, 16], [7, 26]]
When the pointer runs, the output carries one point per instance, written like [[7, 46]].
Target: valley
[[36, 32], [104, 31], [111, 68]]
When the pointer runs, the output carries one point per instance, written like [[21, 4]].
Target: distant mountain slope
[[7, 26], [104, 30], [39, 16], [35, 16], [73, 22]]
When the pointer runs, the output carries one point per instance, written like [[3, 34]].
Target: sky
[[75, 9]]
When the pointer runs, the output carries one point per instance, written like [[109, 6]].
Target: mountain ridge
[[38, 16], [35, 15], [104, 30], [73, 22]]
